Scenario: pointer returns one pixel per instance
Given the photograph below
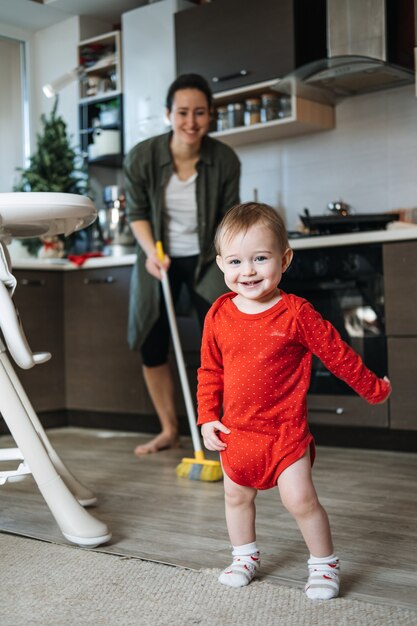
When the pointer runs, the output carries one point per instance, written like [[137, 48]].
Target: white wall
[[369, 160], [54, 52]]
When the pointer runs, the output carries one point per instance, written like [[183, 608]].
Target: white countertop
[[396, 233], [65, 265], [405, 233]]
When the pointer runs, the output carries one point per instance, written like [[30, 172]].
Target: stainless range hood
[[370, 46]]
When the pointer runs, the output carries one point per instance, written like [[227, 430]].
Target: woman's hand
[[143, 234], [210, 438], [154, 265]]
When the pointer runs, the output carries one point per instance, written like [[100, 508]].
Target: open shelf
[[306, 116]]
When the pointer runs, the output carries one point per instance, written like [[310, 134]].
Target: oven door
[[345, 284]]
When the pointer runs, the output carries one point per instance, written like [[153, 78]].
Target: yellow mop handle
[[160, 250]]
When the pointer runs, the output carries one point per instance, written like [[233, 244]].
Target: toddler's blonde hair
[[243, 216]]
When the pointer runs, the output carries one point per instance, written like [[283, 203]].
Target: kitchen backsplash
[[368, 160]]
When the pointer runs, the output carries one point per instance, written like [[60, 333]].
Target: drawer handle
[[99, 281], [219, 79], [31, 282], [338, 410]]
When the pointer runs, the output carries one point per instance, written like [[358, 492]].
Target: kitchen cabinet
[[101, 102], [93, 379], [402, 355], [301, 117], [349, 411], [102, 374], [148, 67], [400, 282], [234, 43], [38, 298]]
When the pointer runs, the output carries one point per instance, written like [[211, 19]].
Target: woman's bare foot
[[158, 443]]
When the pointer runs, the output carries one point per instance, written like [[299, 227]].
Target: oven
[[345, 284]]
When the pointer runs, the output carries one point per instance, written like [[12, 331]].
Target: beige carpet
[[53, 585]]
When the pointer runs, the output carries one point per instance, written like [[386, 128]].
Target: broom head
[[200, 468]]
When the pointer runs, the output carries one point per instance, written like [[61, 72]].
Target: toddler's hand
[[211, 440], [387, 380]]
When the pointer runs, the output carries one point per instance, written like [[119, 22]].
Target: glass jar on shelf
[[285, 108], [222, 119], [235, 113], [270, 107], [252, 113]]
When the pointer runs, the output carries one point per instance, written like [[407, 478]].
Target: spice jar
[[252, 111], [269, 107], [285, 109], [235, 112], [222, 121]]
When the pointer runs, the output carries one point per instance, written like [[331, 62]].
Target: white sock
[[246, 563], [324, 578]]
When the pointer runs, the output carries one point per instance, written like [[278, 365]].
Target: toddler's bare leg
[[240, 518], [240, 512], [299, 496]]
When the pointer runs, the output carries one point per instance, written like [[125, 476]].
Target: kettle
[[339, 208], [115, 228]]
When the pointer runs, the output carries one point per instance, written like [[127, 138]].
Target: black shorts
[[181, 274]]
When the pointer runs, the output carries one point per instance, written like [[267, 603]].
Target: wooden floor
[[370, 496]]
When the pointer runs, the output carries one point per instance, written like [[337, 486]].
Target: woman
[[178, 187]]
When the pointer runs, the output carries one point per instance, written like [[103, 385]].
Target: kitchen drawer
[[38, 298], [102, 373], [346, 411], [400, 284], [402, 359]]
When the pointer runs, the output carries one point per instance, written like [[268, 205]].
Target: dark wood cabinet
[[400, 283], [38, 298], [102, 374], [234, 43], [350, 411], [402, 359], [80, 317]]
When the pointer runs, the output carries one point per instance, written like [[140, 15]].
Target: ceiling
[[33, 15]]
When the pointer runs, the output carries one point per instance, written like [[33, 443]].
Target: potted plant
[[56, 167]]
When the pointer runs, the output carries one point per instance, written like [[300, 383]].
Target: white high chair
[[33, 215]]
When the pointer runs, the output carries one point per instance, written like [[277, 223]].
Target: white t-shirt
[[180, 217]]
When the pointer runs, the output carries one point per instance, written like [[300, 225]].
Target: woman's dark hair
[[189, 81]]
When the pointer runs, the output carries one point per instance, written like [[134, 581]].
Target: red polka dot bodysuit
[[257, 368]]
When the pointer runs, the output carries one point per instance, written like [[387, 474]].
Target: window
[[14, 130]]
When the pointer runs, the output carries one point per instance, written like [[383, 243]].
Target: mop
[[197, 468]]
